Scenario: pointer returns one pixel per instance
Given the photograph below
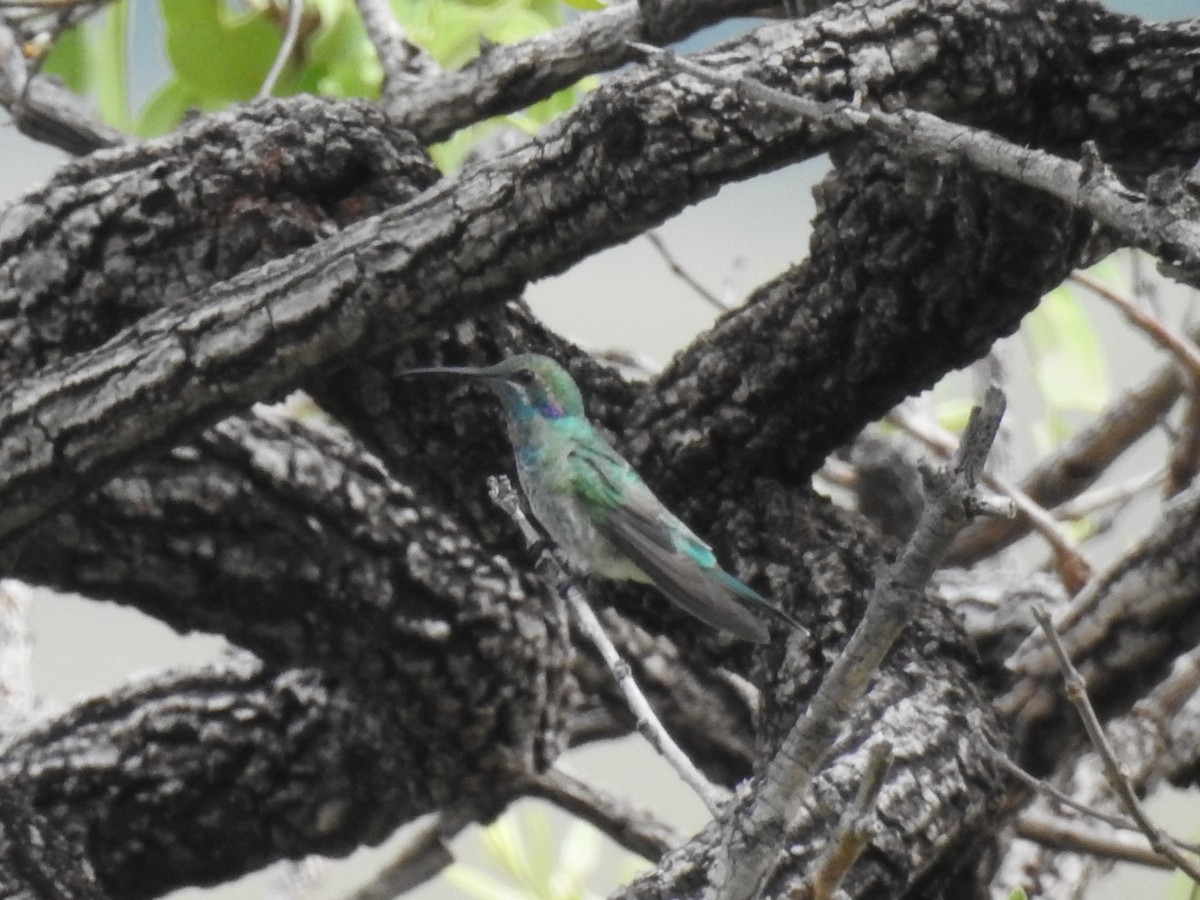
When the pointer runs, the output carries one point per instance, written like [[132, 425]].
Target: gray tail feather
[[711, 602], [713, 596], [760, 603]]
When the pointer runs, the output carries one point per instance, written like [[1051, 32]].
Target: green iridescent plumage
[[598, 509]]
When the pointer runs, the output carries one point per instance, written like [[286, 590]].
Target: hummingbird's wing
[[678, 563]]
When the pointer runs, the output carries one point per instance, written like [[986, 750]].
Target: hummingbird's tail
[[756, 601], [708, 592]]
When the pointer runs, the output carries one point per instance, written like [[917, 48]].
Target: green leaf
[[164, 110], [1181, 887], [953, 414], [221, 56], [1113, 271], [579, 853], [340, 61], [585, 5], [449, 155], [507, 24], [539, 848], [68, 60], [1068, 364], [506, 845], [1018, 894], [106, 65]]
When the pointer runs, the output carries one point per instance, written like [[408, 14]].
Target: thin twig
[[1117, 778], [1146, 583], [1184, 460], [683, 274], [854, 829], [1058, 834], [1149, 735], [502, 80], [421, 859], [641, 364], [1078, 463], [1061, 797], [1051, 792], [1176, 343], [1095, 500], [635, 829], [555, 575], [1073, 569], [290, 34], [1185, 448], [42, 110], [753, 839], [402, 61], [1090, 186]]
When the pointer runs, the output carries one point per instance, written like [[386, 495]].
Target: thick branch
[[247, 765], [37, 862], [505, 78], [1121, 631]]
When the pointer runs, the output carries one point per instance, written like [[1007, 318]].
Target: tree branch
[[755, 833], [260, 766]]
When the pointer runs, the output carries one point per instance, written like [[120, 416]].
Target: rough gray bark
[[405, 666], [36, 861]]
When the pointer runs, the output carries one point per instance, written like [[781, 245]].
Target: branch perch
[[754, 836], [1114, 772], [555, 575]]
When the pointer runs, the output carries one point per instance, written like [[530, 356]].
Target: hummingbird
[[598, 510]]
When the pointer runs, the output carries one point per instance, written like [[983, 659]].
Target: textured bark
[[406, 663], [503, 79], [188, 778], [36, 861], [1123, 632]]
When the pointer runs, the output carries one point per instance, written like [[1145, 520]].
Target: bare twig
[[43, 111], [1061, 797], [1152, 736], [402, 61], [290, 34], [1114, 494], [1185, 448], [1131, 598], [1078, 463], [555, 575], [1185, 443], [1174, 342], [1117, 777], [423, 858], [854, 829], [683, 274], [1090, 186], [1070, 836], [1073, 569], [634, 829], [753, 838], [508, 77]]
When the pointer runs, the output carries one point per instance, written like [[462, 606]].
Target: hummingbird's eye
[[523, 376]]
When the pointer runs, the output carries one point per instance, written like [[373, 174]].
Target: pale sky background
[[623, 298]]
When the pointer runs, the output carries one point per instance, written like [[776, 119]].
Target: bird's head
[[528, 384]]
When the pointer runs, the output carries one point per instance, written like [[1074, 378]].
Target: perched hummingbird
[[596, 507]]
